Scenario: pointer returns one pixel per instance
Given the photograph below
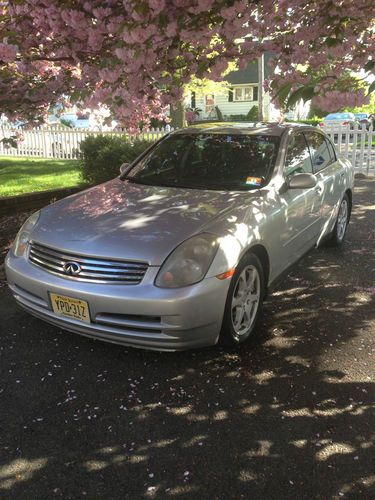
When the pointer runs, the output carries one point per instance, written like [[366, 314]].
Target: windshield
[[209, 161]]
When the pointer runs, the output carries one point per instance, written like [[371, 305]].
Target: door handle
[[318, 189]]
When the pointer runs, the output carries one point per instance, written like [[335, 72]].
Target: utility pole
[[261, 88]]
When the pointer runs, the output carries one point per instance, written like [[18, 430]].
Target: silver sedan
[[181, 249]]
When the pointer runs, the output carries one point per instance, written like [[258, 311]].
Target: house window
[[244, 93]]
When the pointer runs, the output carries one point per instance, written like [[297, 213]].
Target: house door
[[209, 106]]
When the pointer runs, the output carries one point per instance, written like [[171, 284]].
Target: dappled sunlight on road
[[291, 417], [19, 470], [157, 419]]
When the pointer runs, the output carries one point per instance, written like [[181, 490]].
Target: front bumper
[[135, 315]]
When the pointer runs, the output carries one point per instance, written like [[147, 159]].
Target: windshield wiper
[[130, 178], [212, 187], [162, 184]]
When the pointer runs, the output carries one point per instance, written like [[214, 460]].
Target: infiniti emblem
[[72, 268]]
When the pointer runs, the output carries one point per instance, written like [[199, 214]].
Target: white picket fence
[[357, 144], [61, 142]]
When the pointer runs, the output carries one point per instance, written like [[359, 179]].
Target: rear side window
[[320, 154], [331, 150], [297, 159]]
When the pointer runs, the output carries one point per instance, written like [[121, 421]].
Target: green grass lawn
[[28, 175]]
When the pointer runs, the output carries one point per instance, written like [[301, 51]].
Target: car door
[[301, 221], [328, 173]]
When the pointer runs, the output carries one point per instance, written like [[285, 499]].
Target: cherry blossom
[[135, 56]]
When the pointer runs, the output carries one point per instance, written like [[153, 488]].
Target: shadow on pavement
[[291, 418]]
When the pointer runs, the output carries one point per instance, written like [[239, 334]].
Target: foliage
[[366, 108], [135, 57], [192, 114], [237, 118], [327, 91], [252, 115], [66, 123], [308, 121], [315, 112], [9, 142], [205, 86], [13, 140], [101, 156], [156, 123], [29, 175]]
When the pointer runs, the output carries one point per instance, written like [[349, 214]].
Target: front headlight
[[22, 239], [189, 262]]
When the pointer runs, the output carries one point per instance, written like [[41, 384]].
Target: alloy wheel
[[245, 300], [342, 219]]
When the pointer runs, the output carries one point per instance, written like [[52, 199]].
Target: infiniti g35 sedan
[[181, 249]]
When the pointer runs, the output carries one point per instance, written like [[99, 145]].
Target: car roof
[[242, 128], [339, 115]]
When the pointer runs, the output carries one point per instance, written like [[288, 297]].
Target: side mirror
[[302, 181], [125, 168]]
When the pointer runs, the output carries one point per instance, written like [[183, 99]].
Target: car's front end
[[111, 276], [140, 315], [146, 259]]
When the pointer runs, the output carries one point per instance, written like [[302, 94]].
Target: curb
[[30, 201]]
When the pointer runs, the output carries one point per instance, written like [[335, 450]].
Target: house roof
[[249, 74]]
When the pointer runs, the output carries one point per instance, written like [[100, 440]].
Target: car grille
[[89, 269]]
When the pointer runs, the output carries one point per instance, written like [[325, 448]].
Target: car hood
[[120, 219]]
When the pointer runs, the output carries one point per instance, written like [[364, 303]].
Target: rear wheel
[[244, 302], [339, 231]]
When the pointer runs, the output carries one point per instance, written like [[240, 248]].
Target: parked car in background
[[86, 121], [345, 121], [180, 250], [363, 119]]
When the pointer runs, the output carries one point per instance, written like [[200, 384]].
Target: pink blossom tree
[[135, 56]]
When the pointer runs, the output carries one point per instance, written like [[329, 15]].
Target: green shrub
[[252, 115], [66, 123], [308, 121], [101, 156], [237, 118], [155, 123]]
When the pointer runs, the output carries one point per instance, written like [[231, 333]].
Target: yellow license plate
[[70, 308]]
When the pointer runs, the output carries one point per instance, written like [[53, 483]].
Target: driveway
[[292, 418]]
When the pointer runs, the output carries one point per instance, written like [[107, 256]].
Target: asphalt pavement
[[291, 418]]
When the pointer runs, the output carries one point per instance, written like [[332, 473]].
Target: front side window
[[320, 154], [209, 161], [297, 160]]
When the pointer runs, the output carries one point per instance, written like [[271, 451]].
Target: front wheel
[[244, 302], [339, 231]]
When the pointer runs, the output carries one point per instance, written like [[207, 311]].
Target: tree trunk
[[177, 114]]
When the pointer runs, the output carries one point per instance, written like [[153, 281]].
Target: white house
[[241, 96]]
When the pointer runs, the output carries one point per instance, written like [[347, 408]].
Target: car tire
[[337, 237], [244, 302]]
